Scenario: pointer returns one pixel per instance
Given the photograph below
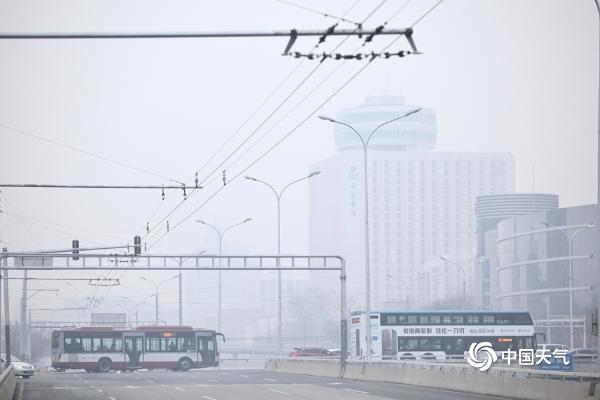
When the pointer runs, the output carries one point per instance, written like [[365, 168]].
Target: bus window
[[472, 319], [430, 344], [457, 319], [97, 345], [488, 319], [172, 344], [435, 319], [446, 319], [392, 320], [405, 344], [423, 319], [412, 320], [504, 319], [86, 344], [402, 320], [522, 319]]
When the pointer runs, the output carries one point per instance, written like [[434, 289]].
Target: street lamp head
[[590, 226], [246, 220], [443, 259], [314, 173], [326, 118], [389, 275], [251, 178], [547, 225], [202, 222]]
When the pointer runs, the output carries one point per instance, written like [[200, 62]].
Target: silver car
[[21, 368]]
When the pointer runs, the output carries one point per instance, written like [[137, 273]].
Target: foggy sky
[[506, 76]]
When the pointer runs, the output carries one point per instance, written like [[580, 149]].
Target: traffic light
[[75, 249], [137, 245]]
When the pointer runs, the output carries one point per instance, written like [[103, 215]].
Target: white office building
[[421, 206]]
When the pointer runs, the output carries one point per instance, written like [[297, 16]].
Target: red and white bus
[[103, 348]]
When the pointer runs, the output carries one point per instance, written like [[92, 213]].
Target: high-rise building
[[533, 269], [421, 205], [489, 210]]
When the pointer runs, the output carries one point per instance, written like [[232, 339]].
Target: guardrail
[[505, 382], [8, 384]]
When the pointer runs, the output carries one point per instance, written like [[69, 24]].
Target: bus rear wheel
[[104, 365], [184, 364]]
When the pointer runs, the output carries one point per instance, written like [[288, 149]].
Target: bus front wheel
[[184, 364], [104, 365]]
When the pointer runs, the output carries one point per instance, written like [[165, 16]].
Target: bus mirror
[[220, 334]]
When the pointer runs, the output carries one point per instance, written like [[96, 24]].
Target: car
[[310, 352], [21, 368], [585, 354]]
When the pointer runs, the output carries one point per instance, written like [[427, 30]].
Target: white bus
[[427, 335], [103, 348]]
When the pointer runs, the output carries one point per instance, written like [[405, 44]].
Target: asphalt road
[[233, 384]]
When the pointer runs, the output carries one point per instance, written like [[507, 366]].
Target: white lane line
[[357, 391], [132, 387], [334, 383], [112, 398], [92, 386], [212, 380], [278, 391], [149, 381], [202, 385], [208, 398], [244, 376], [178, 388], [100, 390], [270, 380]]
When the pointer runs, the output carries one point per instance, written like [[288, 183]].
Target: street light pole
[[136, 304], [279, 291], [220, 234], [405, 288], [365, 145], [570, 238], [156, 286]]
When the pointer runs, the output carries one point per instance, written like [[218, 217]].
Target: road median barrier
[[526, 384], [8, 383]]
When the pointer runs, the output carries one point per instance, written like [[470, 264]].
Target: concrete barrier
[[8, 383], [506, 382]]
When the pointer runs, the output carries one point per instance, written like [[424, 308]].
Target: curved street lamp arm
[[390, 121], [269, 185], [234, 225], [296, 181], [355, 131]]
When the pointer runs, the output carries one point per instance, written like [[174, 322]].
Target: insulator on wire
[[163, 192], [167, 226], [147, 227], [196, 180], [184, 194]]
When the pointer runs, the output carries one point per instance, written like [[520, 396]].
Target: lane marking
[[202, 385], [244, 376], [86, 382], [270, 380], [100, 390], [131, 387], [357, 391], [208, 398], [149, 381], [178, 388], [112, 398], [212, 380], [278, 391], [334, 383]]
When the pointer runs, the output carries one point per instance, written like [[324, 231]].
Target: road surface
[[233, 384]]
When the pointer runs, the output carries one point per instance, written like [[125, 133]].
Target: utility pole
[[180, 298], [6, 313], [23, 318]]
